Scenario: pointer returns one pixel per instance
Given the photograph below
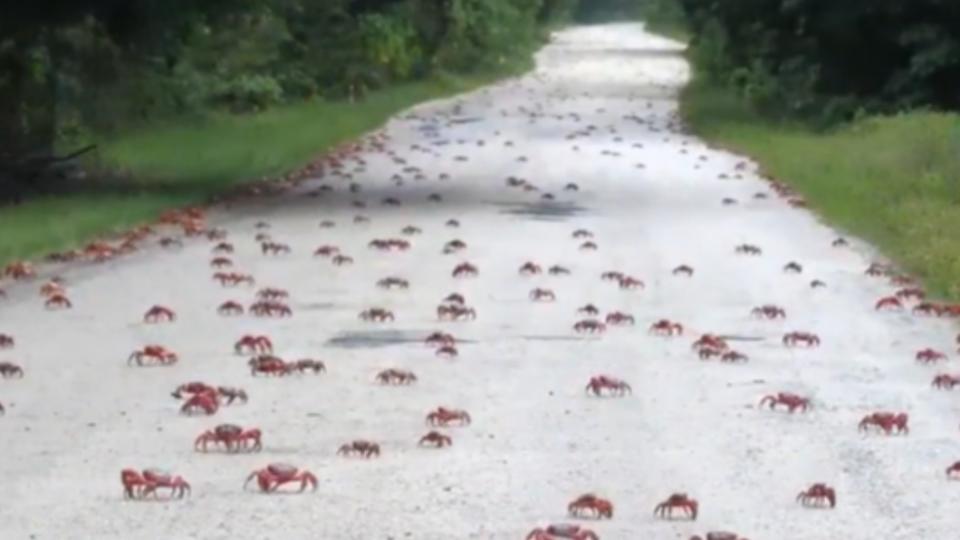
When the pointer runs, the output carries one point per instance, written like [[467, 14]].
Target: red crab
[[953, 471], [886, 422], [455, 313], [630, 283], [439, 339], [159, 314], [230, 309], [710, 341], [393, 282], [888, 302], [530, 268], [52, 288], [233, 437], [275, 475], [444, 417], [233, 279], [203, 403], [9, 370], [928, 308], [748, 249], [223, 247], [19, 270], [396, 377], [769, 311], [6, 341], [58, 301], [269, 308], [582, 233], [664, 327], [193, 388], [153, 353], [599, 383], [272, 293], [588, 246], [341, 260], [719, 535], [590, 326], [221, 262], [376, 315], [791, 401], [946, 381], [447, 351], [274, 248], [465, 270], [250, 344], [612, 275], [557, 270], [361, 448], [137, 485], [818, 495], [732, 357], [590, 505], [677, 501], [793, 267], [326, 251], [878, 269], [589, 309], [455, 298], [562, 532], [269, 365], [911, 293], [542, 295], [618, 318], [435, 439], [793, 339], [683, 270], [929, 356]]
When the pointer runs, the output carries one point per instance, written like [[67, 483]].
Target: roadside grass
[[894, 181], [189, 160]]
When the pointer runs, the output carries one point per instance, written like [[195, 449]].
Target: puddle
[[543, 211], [316, 306], [375, 339], [551, 338]]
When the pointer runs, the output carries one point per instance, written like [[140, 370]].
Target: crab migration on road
[[562, 319]]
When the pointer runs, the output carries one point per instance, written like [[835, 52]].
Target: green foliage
[[828, 60], [82, 69], [894, 181]]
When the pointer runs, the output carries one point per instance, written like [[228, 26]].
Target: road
[[599, 111]]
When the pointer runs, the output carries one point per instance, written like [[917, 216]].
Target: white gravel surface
[[651, 196]]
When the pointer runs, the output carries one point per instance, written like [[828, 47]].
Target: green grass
[[894, 181], [187, 162]]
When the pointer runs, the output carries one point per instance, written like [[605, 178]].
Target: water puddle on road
[[542, 211], [553, 338], [374, 339]]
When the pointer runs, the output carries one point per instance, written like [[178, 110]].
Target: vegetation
[[179, 98], [76, 71], [894, 181], [830, 61], [186, 162], [789, 83]]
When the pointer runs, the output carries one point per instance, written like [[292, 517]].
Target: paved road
[[599, 112]]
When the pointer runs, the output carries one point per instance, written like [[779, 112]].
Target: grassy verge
[[894, 181], [187, 162]]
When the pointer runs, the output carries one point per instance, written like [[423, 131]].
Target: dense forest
[[75, 67], [831, 60]]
